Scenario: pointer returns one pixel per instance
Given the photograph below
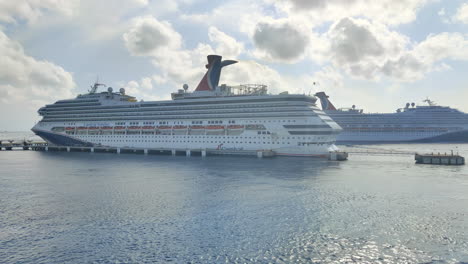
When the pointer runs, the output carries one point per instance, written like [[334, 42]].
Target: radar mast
[[429, 102], [95, 86]]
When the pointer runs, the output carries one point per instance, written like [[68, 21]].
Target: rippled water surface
[[58, 207]]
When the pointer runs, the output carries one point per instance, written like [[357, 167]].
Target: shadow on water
[[221, 166]]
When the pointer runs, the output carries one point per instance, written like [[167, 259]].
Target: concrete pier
[[157, 151], [203, 152]]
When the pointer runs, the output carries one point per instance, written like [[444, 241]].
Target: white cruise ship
[[241, 117], [428, 123]]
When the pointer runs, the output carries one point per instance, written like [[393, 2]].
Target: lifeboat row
[[177, 127]]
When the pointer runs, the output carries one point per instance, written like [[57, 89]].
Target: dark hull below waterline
[[454, 137], [61, 140]]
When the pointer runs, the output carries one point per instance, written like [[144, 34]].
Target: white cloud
[[361, 48], [163, 45], [462, 14], [148, 36], [252, 72], [29, 81], [280, 41], [441, 12], [226, 45], [415, 63], [179, 66], [354, 42], [392, 12], [32, 10], [328, 78], [369, 50], [241, 16], [144, 89], [249, 71], [160, 42], [93, 21]]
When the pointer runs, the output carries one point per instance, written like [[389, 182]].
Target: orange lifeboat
[[148, 127], [215, 127]]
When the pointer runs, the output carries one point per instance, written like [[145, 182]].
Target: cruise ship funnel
[[326, 104], [211, 78]]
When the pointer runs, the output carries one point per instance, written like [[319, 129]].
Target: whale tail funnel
[[211, 78], [326, 104]]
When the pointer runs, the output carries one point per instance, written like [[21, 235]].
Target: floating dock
[[439, 159]]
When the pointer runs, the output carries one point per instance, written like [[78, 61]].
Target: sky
[[377, 55]]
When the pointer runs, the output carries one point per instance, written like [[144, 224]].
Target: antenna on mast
[[95, 86], [313, 83], [429, 102]]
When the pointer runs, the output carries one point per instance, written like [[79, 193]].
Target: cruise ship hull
[[383, 138], [282, 146]]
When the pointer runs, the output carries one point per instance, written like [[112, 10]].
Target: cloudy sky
[[377, 55]]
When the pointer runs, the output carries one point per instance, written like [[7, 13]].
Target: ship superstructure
[[412, 123], [243, 117]]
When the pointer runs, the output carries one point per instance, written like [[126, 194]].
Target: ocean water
[[58, 207]]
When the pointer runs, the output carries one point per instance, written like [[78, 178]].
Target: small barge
[[439, 159]]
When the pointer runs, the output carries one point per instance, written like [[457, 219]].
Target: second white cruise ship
[[241, 117], [429, 123]]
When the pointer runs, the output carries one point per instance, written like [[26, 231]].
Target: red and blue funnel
[[326, 104], [211, 79]]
